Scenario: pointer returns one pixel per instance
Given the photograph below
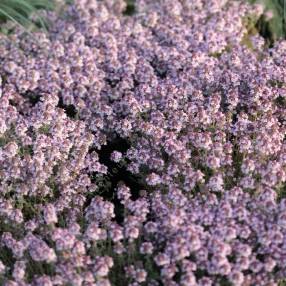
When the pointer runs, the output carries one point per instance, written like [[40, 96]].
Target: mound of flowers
[[143, 150]]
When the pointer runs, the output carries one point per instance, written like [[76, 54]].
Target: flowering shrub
[[143, 150]]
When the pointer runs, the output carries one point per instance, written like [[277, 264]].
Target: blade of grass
[[25, 7], [20, 11], [10, 17], [12, 14], [42, 4]]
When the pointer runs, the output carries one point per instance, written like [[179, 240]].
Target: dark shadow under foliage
[[117, 174], [69, 109], [131, 8], [264, 29], [160, 68], [33, 97]]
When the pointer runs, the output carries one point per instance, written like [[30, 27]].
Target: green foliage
[[275, 27], [44, 129], [281, 191], [20, 11], [250, 22], [39, 268]]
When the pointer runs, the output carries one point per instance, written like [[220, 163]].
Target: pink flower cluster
[[143, 150]]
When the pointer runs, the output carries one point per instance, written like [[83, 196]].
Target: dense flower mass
[[143, 150]]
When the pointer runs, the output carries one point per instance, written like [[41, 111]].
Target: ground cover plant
[[143, 149]]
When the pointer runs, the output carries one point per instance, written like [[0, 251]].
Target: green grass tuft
[[20, 12]]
